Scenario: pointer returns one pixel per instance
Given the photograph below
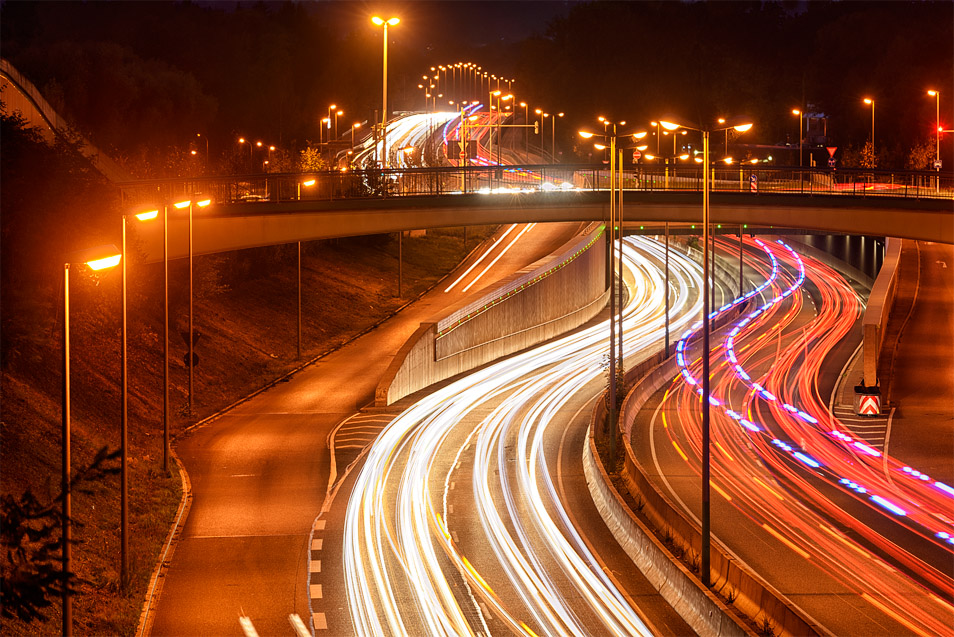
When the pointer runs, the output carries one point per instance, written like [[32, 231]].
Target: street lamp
[[797, 112], [337, 114], [870, 101], [242, 140], [553, 138], [937, 132], [124, 419], [308, 183], [381, 22], [325, 121], [95, 259], [354, 126], [526, 133], [706, 533], [721, 121], [191, 205], [611, 236], [539, 131]]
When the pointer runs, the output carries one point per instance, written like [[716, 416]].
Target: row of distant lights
[[669, 126], [794, 451]]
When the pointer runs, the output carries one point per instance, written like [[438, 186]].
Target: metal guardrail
[[379, 184]]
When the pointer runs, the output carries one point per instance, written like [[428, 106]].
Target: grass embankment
[[246, 313]]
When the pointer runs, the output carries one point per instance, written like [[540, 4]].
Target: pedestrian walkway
[[922, 374]]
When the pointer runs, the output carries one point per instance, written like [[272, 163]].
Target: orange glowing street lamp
[[381, 22], [192, 204], [797, 112], [871, 103], [937, 133], [99, 258], [242, 140]]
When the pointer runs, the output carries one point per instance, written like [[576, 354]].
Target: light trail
[[768, 411], [406, 569], [524, 231], [482, 257]]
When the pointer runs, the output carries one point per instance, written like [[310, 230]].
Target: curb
[[155, 583]]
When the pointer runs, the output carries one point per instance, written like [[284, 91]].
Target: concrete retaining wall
[[880, 302], [699, 607], [702, 610], [754, 597], [556, 294]]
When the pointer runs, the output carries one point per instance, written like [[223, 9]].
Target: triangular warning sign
[[831, 150]]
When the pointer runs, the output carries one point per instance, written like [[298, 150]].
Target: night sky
[[151, 75]]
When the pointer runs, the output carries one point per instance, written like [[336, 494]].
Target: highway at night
[[454, 318], [458, 522], [860, 542]]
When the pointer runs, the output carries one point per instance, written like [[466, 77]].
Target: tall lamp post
[[381, 22], [553, 139], [526, 133], [95, 259], [308, 183], [242, 140], [706, 530], [612, 135], [870, 102], [124, 419], [191, 204], [937, 134], [354, 126], [799, 114]]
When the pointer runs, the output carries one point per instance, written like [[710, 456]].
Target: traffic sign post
[[868, 404], [867, 400]]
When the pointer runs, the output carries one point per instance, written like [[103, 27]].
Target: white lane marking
[[300, 629], [482, 257], [319, 621], [247, 627], [499, 256], [315, 591], [319, 525], [316, 544], [314, 566]]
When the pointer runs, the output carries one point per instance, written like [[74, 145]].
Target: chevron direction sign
[[869, 405]]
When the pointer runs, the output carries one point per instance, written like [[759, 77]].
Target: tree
[[30, 541], [868, 157], [921, 156], [310, 160]]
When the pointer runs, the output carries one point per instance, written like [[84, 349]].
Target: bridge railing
[[284, 187]]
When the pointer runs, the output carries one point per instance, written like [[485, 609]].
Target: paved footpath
[[922, 377]]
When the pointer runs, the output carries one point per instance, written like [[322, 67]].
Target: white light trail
[[524, 559]]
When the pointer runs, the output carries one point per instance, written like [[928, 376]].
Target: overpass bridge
[[904, 205]]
